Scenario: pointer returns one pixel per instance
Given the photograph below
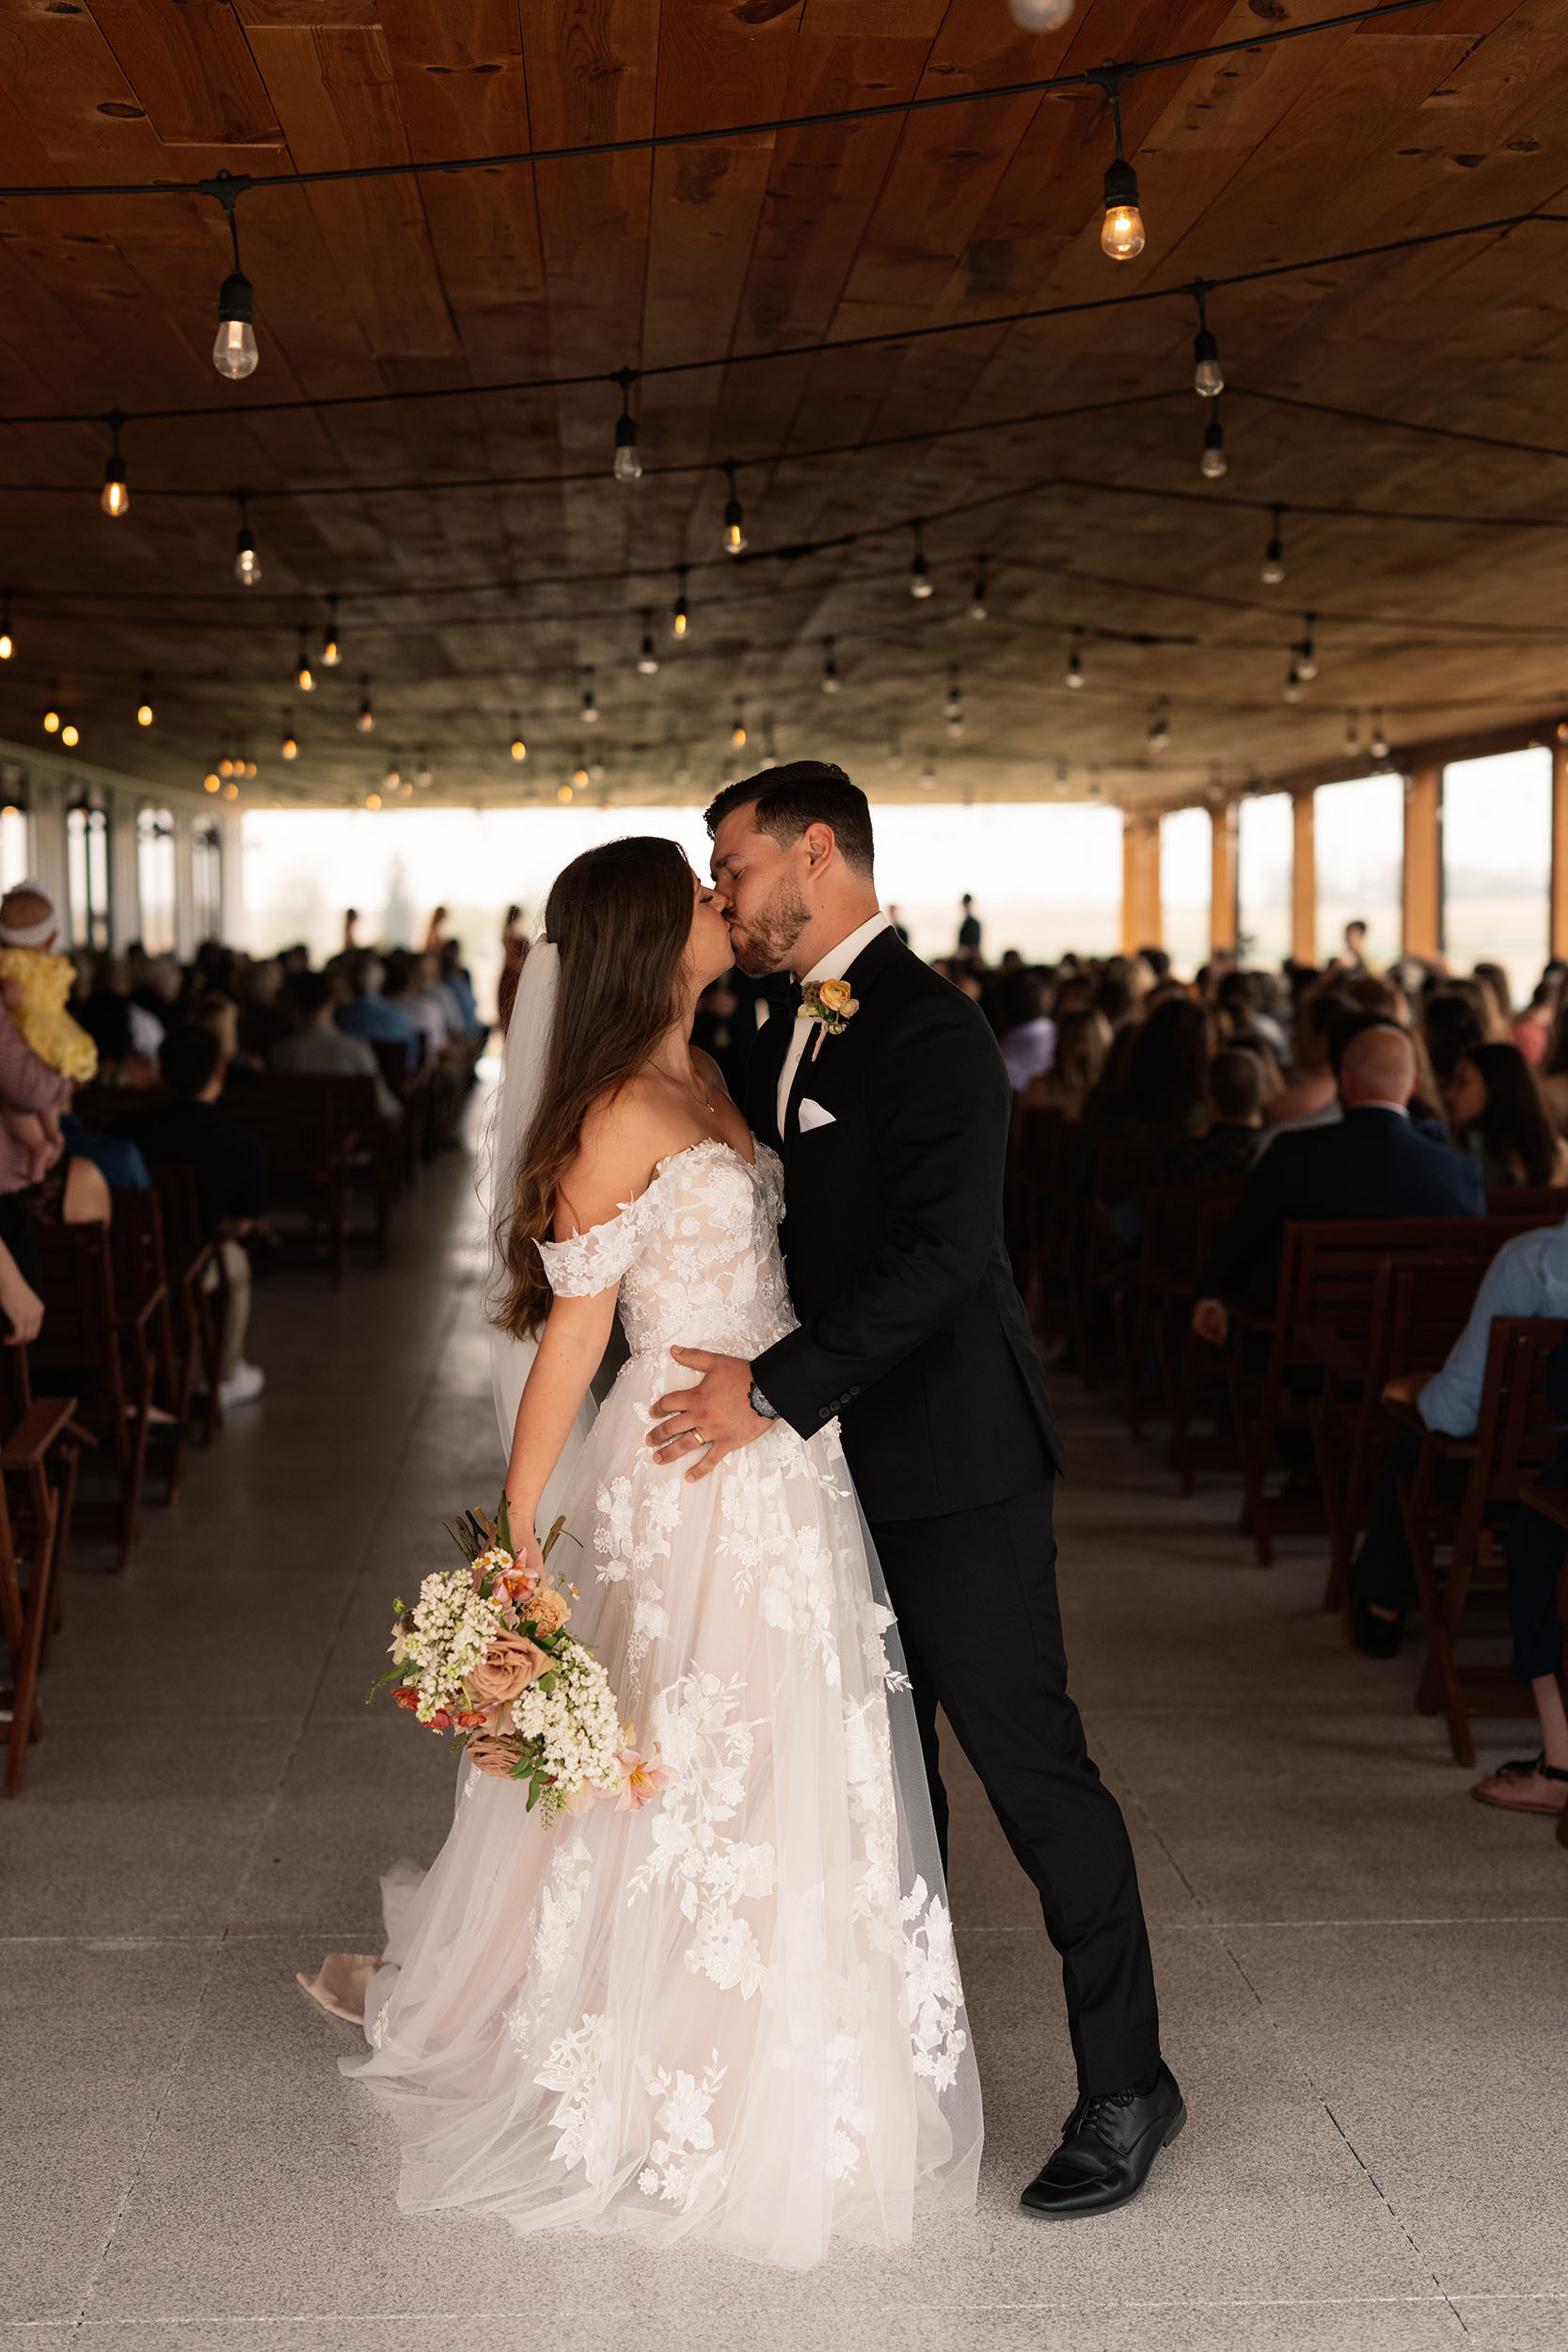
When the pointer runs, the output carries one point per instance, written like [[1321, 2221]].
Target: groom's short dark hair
[[802, 792]]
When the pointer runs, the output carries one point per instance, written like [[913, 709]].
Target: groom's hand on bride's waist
[[711, 1419]]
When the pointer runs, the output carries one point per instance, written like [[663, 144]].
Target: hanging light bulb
[[1208, 375], [1306, 655], [1092, 791], [769, 753], [226, 767], [288, 748], [248, 564], [244, 768], [1041, 16], [365, 717], [953, 709], [332, 652], [928, 777], [68, 736], [627, 466], [830, 679], [977, 606], [1273, 554], [736, 541], [681, 618], [423, 777], [518, 747], [7, 644], [590, 711], [737, 728], [647, 660], [1379, 745], [143, 708], [580, 774], [393, 777], [1214, 461], [920, 571], [1075, 660], [1121, 232], [210, 781], [114, 498], [596, 771], [1353, 739], [305, 678], [51, 720], [1292, 683], [563, 791], [372, 799], [234, 352], [895, 754], [1159, 728]]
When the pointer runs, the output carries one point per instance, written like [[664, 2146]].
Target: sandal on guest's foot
[[1527, 1785]]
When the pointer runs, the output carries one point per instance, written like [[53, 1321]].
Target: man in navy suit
[[1371, 1164]]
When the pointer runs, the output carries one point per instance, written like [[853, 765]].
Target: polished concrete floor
[[1364, 1976]]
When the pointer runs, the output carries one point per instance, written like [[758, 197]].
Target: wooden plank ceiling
[[466, 605]]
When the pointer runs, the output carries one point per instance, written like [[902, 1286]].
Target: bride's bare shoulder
[[625, 1133]]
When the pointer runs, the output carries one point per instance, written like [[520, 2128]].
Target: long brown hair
[[620, 916]]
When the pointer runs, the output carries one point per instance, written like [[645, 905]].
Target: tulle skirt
[[733, 2015]]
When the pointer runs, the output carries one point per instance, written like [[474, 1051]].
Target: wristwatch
[[759, 1404]]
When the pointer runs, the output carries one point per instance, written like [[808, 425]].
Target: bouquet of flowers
[[484, 1652]]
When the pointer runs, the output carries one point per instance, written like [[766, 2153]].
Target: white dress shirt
[[832, 966]]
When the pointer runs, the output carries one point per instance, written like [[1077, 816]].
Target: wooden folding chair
[[144, 1320], [1543, 1205], [79, 1351], [199, 1291], [1095, 1254], [307, 1138], [31, 1555], [1515, 1437], [1154, 1306], [1191, 1365]]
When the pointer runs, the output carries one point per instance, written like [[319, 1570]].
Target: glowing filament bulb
[[51, 722], [1214, 461], [114, 498], [234, 352], [68, 736]]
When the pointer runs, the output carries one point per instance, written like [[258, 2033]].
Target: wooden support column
[[1560, 851], [1140, 884], [1303, 879], [1224, 878], [1423, 860]]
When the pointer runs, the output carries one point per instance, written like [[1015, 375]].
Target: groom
[[891, 1114]]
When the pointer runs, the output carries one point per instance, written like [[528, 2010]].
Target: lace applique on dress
[[556, 1913], [707, 1754], [685, 2160]]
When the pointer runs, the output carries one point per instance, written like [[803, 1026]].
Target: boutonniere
[[830, 1002]]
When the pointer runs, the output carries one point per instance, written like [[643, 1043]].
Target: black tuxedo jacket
[[1371, 1164], [911, 1330]]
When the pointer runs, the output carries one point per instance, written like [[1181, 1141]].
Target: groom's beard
[[766, 942]]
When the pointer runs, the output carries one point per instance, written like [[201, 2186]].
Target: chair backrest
[[1422, 1306], [1034, 1141], [1179, 1220], [1547, 1203], [1516, 1432], [299, 1118], [390, 1054], [175, 1185], [137, 1250], [76, 1284]]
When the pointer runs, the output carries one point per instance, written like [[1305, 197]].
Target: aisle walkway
[[1364, 1976]]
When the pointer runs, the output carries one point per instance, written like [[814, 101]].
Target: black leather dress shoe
[[1379, 1637], [1108, 2148]]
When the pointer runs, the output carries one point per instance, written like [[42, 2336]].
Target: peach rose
[[548, 1611], [507, 1666], [493, 1755]]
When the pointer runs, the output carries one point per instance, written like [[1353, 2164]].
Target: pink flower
[[643, 1781]]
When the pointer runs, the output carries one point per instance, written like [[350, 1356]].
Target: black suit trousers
[[975, 1594]]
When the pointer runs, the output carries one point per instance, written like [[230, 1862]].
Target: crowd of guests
[[1335, 1091], [164, 1047]]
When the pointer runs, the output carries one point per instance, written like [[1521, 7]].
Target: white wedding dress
[[735, 2014]]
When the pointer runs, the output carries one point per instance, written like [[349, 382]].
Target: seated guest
[[107, 1020], [1028, 1035], [1083, 1041], [406, 989], [1224, 1153], [1534, 1550], [1453, 1021], [1527, 1277], [229, 1167], [1498, 994], [320, 1049], [1370, 1164], [367, 1012], [112, 979], [1310, 1096], [1163, 1093], [458, 981], [1532, 1032], [1497, 1114], [118, 1162]]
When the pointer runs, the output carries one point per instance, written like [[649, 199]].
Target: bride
[[733, 2014]]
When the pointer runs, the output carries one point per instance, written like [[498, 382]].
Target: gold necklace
[[692, 1091]]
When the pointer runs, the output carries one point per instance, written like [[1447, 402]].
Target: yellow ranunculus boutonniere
[[830, 1002]]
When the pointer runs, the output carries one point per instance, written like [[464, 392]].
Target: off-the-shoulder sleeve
[[594, 1261]]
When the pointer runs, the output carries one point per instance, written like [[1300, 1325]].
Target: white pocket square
[[813, 1115]]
